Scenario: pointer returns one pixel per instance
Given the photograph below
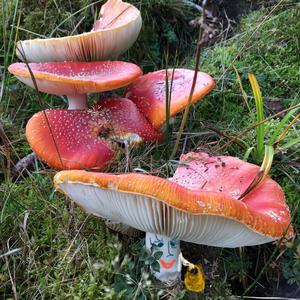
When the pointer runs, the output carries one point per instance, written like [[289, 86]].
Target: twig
[[186, 111], [73, 241], [239, 142], [286, 129], [22, 52], [13, 285], [10, 252], [6, 152]]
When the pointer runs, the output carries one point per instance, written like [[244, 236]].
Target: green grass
[[62, 253]]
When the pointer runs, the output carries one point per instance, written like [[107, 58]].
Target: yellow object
[[194, 279]]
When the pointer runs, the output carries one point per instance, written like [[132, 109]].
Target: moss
[[270, 50], [57, 243], [267, 47]]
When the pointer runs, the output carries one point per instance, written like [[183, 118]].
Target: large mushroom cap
[[116, 30], [199, 204], [149, 92], [71, 78], [87, 138]]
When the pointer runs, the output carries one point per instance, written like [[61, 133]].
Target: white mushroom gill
[[99, 44], [150, 215]]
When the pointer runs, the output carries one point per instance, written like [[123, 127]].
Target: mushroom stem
[[170, 264], [78, 101]]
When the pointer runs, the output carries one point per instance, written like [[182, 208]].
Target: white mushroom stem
[[170, 263], [78, 101]]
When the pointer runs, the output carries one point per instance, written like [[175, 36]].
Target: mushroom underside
[[200, 203], [105, 42], [149, 215]]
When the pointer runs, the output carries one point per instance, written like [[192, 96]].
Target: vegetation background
[[50, 249]]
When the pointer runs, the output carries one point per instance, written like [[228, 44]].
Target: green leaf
[[245, 97], [181, 294], [248, 152], [157, 255], [155, 266], [141, 296], [119, 287], [290, 143], [131, 265], [279, 127], [150, 260]]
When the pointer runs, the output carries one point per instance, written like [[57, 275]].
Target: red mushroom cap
[[87, 138], [76, 134], [126, 119], [230, 177], [148, 92], [72, 78]]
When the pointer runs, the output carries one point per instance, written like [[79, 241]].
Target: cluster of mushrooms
[[200, 204]]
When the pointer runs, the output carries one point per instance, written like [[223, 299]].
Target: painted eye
[[159, 244], [173, 244]]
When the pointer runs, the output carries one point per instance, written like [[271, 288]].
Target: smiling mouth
[[167, 265]]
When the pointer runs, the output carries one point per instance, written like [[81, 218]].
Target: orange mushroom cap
[[148, 92], [72, 78], [86, 138], [199, 204]]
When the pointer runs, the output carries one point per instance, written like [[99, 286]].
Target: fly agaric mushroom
[[116, 30], [79, 139], [200, 204], [148, 92], [77, 79]]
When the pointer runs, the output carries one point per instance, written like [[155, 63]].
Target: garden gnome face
[[170, 265]]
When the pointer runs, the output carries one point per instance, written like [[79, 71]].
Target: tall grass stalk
[[187, 109], [21, 51], [168, 103], [7, 46], [260, 129]]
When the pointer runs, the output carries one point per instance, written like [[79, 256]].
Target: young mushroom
[[200, 204], [116, 30], [148, 92], [76, 79], [87, 139]]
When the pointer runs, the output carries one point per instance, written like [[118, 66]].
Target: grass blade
[[263, 172], [245, 97], [282, 135], [247, 153], [290, 143], [281, 125], [260, 129]]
